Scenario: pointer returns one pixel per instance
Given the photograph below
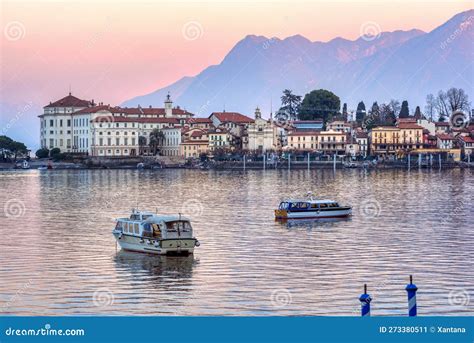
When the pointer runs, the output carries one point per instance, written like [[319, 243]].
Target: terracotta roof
[[70, 101], [233, 117], [468, 139], [304, 133], [362, 135], [445, 137], [407, 120], [120, 119], [93, 109], [409, 126], [441, 123], [199, 121]]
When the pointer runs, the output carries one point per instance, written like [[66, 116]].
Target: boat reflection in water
[[311, 223], [144, 266]]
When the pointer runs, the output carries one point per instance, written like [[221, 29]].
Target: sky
[[111, 51]]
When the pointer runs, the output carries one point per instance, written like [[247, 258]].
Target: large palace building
[[81, 126]]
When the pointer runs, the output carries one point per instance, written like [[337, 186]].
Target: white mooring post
[[334, 162], [244, 161], [439, 161], [409, 161], [308, 160], [264, 161], [289, 161]]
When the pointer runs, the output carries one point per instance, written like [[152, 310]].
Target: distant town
[[315, 124]]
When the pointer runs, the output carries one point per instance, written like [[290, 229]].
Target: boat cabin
[[305, 205], [150, 225]]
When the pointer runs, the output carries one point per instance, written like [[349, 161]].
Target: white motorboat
[[311, 208], [157, 234]]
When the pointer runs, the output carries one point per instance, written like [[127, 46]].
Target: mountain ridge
[[256, 70]]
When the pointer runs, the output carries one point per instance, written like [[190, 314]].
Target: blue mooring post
[[365, 300], [411, 291]]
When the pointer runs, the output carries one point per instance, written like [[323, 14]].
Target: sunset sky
[[113, 50]]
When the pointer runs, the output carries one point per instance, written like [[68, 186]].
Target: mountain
[[404, 65]]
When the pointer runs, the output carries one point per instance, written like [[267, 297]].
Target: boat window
[[314, 205], [187, 227], [293, 206], [336, 204], [303, 204], [323, 205], [118, 226], [137, 230], [146, 216], [147, 227], [283, 206], [125, 227], [135, 217]]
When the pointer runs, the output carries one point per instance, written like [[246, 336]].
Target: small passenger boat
[[157, 234], [311, 208]]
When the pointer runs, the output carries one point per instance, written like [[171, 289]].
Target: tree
[[290, 103], [360, 113], [404, 111], [395, 106], [42, 153], [387, 115], [16, 148], [344, 111], [457, 100], [430, 107], [418, 114], [141, 144], [156, 139], [55, 152], [442, 106], [319, 104], [373, 119]]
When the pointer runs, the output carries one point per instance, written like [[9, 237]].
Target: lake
[[58, 256]]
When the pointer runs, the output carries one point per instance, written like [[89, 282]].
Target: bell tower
[[168, 106], [258, 114]]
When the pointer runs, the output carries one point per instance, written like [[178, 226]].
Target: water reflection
[[310, 224], [157, 267]]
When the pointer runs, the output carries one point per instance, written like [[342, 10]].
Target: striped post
[[411, 291], [365, 300]]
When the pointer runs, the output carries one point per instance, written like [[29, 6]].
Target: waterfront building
[[220, 138], [194, 143], [467, 146], [60, 128], [362, 140], [332, 142], [410, 137], [340, 126], [80, 126], [308, 125], [352, 147], [236, 123], [384, 140], [260, 134], [201, 123], [444, 141], [441, 127], [303, 140]]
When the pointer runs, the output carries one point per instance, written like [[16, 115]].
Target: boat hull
[[179, 246], [333, 213]]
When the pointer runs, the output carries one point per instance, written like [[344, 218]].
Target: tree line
[[324, 105]]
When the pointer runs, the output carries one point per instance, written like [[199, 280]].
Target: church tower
[[258, 114], [168, 106]]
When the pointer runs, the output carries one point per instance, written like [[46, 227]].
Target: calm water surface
[[58, 256]]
